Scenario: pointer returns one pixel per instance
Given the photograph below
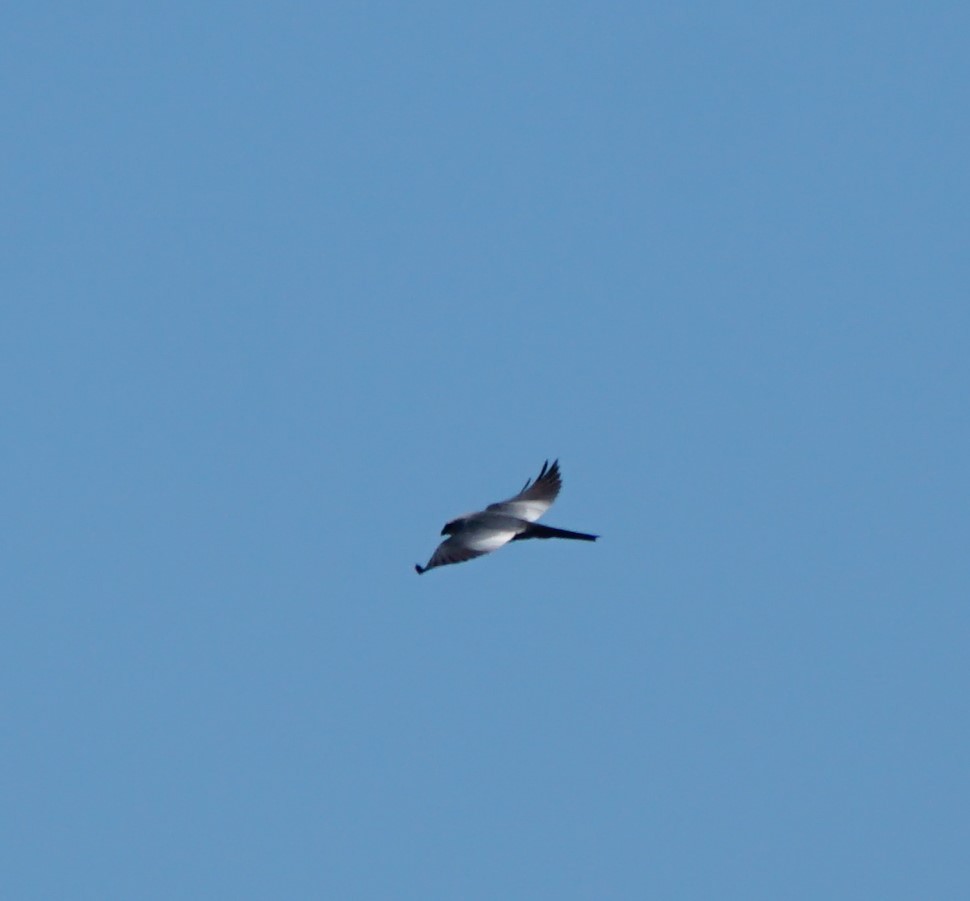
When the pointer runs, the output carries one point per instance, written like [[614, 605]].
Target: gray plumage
[[480, 533]]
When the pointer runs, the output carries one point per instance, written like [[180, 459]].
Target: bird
[[475, 534]]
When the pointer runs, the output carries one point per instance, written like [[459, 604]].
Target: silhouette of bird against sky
[[475, 534]]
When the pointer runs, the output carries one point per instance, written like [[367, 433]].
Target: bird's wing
[[449, 552], [469, 543], [535, 498]]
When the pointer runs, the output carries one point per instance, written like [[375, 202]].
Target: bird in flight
[[475, 534]]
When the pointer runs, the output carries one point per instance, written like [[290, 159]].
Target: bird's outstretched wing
[[473, 541], [535, 497], [447, 552]]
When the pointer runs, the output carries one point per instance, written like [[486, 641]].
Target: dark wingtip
[[419, 569]]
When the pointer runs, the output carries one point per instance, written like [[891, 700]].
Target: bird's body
[[475, 534]]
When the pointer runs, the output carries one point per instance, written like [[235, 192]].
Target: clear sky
[[285, 286]]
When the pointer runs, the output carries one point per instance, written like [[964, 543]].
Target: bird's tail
[[537, 531]]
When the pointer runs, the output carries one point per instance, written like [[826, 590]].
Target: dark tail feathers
[[537, 531]]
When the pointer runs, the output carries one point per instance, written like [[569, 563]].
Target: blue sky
[[287, 286]]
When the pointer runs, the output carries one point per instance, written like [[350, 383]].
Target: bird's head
[[451, 527]]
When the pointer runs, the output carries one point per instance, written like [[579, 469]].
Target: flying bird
[[479, 533]]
